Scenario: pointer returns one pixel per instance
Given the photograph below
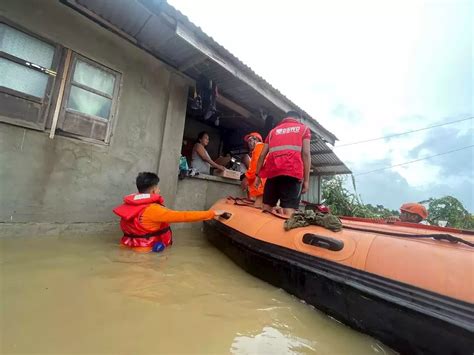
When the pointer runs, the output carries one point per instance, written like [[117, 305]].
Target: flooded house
[[92, 92]]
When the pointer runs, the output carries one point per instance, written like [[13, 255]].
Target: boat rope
[[239, 201], [275, 214], [440, 236]]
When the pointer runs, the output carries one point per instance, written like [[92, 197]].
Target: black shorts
[[287, 189]]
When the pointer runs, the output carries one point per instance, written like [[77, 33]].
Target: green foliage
[[381, 211], [345, 203], [451, 210]]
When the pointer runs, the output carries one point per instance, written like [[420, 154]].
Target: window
[[90, 100], [28, 68], [30, 87]]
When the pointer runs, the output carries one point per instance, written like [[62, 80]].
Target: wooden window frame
[[43, 102], [110, 121]]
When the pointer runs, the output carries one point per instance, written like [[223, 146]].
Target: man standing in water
[[287, 164], [145, 220]]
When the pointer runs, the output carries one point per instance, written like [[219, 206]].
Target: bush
[[345, 203]]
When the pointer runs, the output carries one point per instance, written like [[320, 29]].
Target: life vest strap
[[149, 235]]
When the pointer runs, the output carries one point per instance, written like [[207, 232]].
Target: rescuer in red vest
[[287, 164], [145, 220]]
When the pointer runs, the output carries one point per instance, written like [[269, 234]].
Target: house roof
[[166, 33]]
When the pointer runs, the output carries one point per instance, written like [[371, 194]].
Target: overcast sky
[[366, 69]]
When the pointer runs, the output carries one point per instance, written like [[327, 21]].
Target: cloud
[[445, 139], [450, 174], [387, 187], [350, 116], [367, 69], [391, 189]]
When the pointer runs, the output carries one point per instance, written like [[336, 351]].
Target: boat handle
[[226, 215], [323, 242]]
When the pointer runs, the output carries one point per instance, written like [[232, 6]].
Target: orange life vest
[[135, 234]]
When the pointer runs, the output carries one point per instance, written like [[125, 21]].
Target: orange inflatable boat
[[409, 285]]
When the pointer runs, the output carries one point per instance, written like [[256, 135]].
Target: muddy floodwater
[[85, 295]]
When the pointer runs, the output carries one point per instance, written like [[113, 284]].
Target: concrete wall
[[200, 194], [168, 166], [69, 181]]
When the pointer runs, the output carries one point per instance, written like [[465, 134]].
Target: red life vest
[[135, 234], [285, 143]]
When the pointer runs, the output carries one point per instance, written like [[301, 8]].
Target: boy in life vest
[[255, 144], [285, 161], [145, 221]]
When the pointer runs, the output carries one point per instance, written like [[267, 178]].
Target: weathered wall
[[200, 194], [168, 167], [69, 181]]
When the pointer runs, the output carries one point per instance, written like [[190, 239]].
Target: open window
[[225, 121], [28, 66]]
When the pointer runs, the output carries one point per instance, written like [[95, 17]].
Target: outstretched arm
[[201, 151], [160, 214]]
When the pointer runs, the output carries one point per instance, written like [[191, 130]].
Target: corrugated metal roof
[[159, 28], [324, 161]]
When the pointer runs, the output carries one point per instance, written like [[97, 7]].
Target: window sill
[[215, 179], [71, 137]]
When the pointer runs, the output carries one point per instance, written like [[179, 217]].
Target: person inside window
[[201, 161]]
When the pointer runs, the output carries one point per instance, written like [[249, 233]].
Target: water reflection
[[272, 341]]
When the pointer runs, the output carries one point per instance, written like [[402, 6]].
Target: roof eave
[[194, 35]]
